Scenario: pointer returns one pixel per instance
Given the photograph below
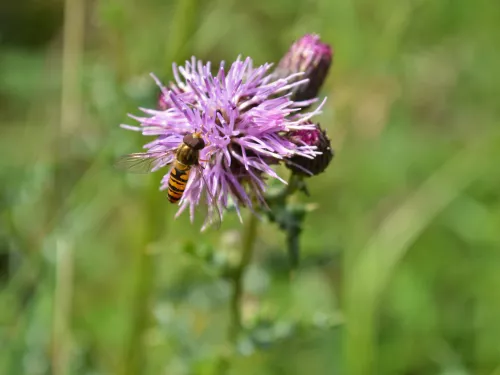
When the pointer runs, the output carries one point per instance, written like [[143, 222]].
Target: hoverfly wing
[[213, 216], [143, 162]]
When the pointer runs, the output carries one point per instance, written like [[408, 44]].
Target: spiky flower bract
[[243, 114], [317, 137]]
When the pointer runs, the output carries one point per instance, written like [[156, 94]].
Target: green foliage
[[398, 260]]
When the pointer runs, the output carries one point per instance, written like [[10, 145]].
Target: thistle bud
[[303, 166], [311, 56]]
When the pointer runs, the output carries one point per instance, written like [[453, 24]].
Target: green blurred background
[[399, 270]]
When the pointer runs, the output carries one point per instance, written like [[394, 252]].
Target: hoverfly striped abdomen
[[177, 182], [182, 160], [187, 155]]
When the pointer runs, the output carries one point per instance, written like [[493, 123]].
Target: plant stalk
[[237, 278], [249, 236], [72, 57], [135, 361]]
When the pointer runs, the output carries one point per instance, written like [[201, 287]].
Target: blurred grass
[[399, 272]]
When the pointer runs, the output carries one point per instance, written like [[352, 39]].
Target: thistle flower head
[[243, 114], [310, 56], [315, 138]]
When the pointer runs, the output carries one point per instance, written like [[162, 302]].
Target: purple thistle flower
[[162, 101], [313, 137], [243, 114], [310, 56]]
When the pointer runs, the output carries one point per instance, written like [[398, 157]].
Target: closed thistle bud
[[310, 56], [304, 166]]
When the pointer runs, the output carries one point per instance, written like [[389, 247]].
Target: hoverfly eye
[[196, 143]]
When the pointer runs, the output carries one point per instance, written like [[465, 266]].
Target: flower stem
[[72, 56], [155, 222], [63, 296], [249, 236]]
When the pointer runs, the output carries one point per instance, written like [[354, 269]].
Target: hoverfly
[[187, 157]]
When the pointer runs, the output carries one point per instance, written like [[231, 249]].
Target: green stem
[[135, 360], [72, 57], [294, 183], [249, 236], [135, 355], [184, 24]]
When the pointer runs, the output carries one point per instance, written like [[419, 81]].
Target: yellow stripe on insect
[[187, 155]]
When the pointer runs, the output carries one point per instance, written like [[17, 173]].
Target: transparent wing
[[143, 162], [213, 216]]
